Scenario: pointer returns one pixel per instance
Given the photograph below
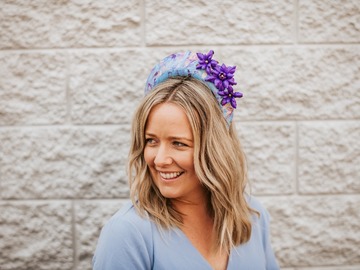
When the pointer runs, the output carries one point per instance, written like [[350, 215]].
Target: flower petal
[[208, 69], [213, 63], [224, 101], [233, 103], [210, 78], [232, 69], [201, 56], [232, 81], [237, 94], [218, 84]]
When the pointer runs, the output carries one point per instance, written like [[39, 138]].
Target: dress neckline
[[178, 230]]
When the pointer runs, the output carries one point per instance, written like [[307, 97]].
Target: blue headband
[[219, 78]]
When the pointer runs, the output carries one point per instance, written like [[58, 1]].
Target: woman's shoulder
[[255, 204], [127, 219], [125, 241], [263, 216]]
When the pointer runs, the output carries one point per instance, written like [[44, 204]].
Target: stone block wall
[[72, 73]]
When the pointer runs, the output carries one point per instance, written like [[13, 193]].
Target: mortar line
[[325, 44], [296, 172], [74, 236], [120, 125], [67, 91], [296, 21], [143, 22], [125, 199]]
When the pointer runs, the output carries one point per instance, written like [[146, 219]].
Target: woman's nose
[[162, 157]]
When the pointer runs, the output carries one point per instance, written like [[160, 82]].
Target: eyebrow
[[181, 138], [171, 137]]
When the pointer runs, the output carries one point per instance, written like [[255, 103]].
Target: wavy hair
[[218, 160]]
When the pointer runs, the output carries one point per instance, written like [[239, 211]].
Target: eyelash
[[149, 140], [179, 144], [175, 143]]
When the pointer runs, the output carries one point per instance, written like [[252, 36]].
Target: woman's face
[[169, 153]]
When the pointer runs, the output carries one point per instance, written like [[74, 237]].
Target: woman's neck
[[198, 228], [196, 209]]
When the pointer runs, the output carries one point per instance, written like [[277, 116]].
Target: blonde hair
[[218, 160]]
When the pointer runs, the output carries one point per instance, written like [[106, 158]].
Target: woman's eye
[[179, 144], [149, 141]]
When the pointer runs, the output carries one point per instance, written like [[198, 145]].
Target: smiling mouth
[[170, 176]]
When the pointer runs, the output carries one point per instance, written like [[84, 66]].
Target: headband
[[219, 78]]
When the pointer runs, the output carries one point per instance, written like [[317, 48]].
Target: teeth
[[170, 175]]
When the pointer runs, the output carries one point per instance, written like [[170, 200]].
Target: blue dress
[[129, 241]]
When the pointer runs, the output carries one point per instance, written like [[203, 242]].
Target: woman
[[187, 177]]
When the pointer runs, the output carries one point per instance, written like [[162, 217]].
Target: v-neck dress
[[129, 241]]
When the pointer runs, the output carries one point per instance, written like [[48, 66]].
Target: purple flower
[[229, 96], [223, 77], [206, 62]]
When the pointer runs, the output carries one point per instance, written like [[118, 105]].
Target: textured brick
[[90, 218], [297, 83], [315, 230], [85, 63], [69, 24], [329, 21], [270, 152], [63, 162], [107, 86], [32, 88], [329, 157], [218, 22], [35, 235]]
